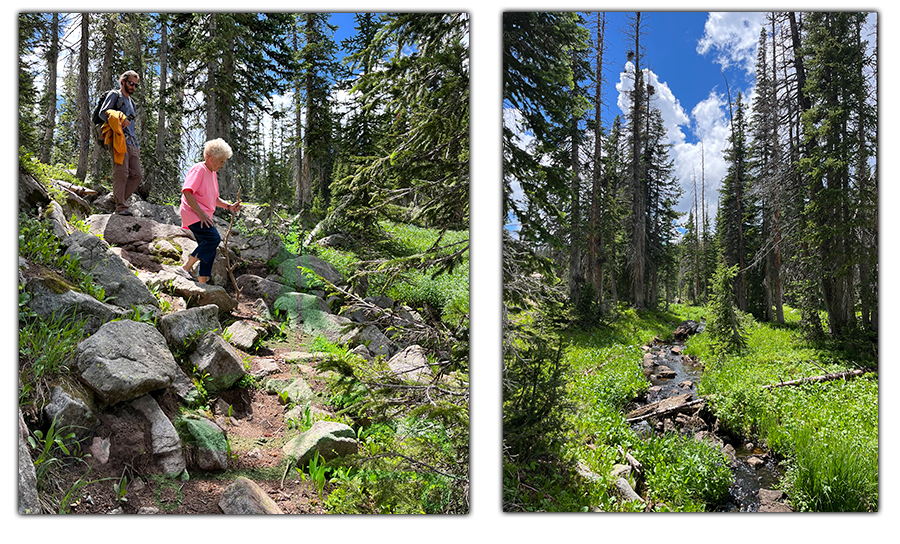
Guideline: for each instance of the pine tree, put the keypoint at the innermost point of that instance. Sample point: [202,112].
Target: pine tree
[835,57]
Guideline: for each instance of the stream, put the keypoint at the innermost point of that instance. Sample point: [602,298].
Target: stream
[671,375]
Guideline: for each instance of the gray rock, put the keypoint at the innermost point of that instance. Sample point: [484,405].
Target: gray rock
[257,248]
[70,412]
[411,364]
[209,442]
[266,367]
[665,372]
[109,271]
[376,341]
[32,193]
[329,438]
[29,502]
[295,390]
[215,359]
[336,329]
[625,493]
[47,300]
[165,442]
[182,329]
[363,351]
[125,231]
[184,388]
[195,294]
[243,335]
[290,271]
[261,288]
[300,308]
[245,497]
[57,219]
[160,213]
[124,360]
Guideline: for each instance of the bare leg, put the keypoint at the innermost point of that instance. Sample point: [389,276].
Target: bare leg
[202,279]
[189,265]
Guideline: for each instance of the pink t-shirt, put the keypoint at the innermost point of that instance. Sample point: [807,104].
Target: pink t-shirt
[205,185]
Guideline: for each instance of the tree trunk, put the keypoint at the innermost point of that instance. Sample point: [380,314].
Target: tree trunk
[639,223]
[576,274]
[595,245]
[50,115]
[161,132]
[84,109]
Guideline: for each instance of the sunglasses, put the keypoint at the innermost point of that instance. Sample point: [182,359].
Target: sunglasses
[131,83]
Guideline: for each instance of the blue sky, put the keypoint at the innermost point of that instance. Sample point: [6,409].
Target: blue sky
[687,56]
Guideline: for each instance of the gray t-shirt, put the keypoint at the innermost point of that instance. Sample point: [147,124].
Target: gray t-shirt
[127,108]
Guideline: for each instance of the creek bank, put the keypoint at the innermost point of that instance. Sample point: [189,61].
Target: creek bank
[671,405]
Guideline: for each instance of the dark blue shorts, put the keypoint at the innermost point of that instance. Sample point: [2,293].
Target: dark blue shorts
[207,243]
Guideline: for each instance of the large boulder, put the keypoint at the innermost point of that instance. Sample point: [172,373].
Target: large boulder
[32,193]
[255,287]
[120,284]
[217,361]
[52,295]
[29,502]
[329,438]
[295,391]
[300,308]
[125,231]
[164,440]
[68,410]
[182,329]
[292,270]
[376,341]
[257,248]
[195,294]
[411,364]
[208,442]
[124,360]
[242,335]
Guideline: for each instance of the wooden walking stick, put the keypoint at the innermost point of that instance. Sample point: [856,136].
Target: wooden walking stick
[228,264]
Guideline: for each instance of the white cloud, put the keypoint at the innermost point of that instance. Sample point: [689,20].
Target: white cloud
[732,37]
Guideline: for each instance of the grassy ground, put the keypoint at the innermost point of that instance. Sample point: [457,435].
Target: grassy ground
[827,432]
[603,375]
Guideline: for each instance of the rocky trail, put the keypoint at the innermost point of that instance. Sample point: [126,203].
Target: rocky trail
[191,398]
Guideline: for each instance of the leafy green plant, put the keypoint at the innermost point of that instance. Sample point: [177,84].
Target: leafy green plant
[120,487]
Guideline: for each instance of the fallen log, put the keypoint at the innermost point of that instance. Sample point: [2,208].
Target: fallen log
[659,405]
[664,410]
[822,378]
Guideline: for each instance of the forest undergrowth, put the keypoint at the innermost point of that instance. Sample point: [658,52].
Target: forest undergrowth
[825,434]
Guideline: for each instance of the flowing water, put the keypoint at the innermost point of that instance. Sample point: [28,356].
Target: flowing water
[752,468]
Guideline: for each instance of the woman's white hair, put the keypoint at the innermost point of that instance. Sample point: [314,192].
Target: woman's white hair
[218,149]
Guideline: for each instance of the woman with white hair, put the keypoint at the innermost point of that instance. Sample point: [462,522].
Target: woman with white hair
[199,199]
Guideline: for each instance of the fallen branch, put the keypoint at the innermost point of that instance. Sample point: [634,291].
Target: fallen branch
[822,378]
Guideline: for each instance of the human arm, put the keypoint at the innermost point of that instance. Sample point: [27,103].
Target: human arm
[236,207]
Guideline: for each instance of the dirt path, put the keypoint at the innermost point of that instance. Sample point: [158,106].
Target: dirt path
[256,432]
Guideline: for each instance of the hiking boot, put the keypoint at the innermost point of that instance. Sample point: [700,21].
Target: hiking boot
[124,212]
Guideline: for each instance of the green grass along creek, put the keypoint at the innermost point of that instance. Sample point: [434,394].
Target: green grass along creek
[825,435]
